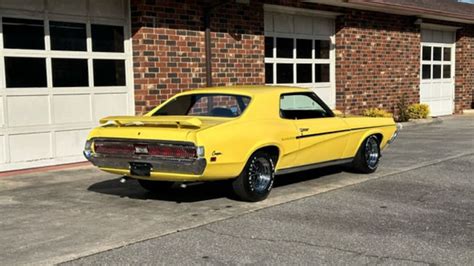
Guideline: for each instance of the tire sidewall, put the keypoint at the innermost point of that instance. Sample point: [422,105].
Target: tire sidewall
[250,194]
[362,157]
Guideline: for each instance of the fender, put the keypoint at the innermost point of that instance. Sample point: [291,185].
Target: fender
[259,146]
[368,133]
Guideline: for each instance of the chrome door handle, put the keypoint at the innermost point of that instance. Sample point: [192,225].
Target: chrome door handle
[304,129]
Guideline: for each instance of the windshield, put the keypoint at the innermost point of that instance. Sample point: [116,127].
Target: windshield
[216,105]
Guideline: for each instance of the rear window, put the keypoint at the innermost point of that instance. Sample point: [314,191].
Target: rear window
[215,105]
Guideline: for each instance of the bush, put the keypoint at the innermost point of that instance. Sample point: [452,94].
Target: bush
[418,111]
[403,115]
[376,112]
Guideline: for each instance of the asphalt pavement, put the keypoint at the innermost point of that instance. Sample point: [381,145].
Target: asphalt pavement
[418,208]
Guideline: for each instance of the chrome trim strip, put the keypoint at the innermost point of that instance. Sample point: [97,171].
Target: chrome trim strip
[338,131]
[313,166]
[146,141]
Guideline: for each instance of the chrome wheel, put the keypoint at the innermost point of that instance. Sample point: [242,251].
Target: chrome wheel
[260,175]
[372,152]
[256,179]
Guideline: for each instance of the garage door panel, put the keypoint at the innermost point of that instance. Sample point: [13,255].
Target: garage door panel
[28,110]
[106,8]
[283,23]
[2,114]
[322,26]
[268,21]
[76,7]
[437,36]
[70,143]
[72,108]
[426,35]
[304,25]
[110,104]
[30,147]
[2,149]
[425,90]
[32,5]
[324,94]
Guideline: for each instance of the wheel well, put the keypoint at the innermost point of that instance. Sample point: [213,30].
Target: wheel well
[273,151]
[379,137]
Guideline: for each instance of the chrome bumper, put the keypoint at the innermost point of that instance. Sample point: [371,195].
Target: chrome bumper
[395,134]
[193,167]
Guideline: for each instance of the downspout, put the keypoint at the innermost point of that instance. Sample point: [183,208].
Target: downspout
[207,34]
[207,41]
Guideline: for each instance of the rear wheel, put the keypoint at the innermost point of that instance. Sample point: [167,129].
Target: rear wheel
[368,156]
[256,180]
[155,186]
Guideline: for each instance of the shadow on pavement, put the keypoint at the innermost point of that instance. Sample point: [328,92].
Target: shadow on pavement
[195,192]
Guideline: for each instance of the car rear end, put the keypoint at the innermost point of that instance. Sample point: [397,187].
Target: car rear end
[147,159]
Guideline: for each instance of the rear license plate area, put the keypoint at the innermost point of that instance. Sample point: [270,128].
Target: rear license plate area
[140,169]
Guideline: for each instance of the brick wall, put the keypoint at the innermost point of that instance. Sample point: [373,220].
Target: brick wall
[377,54]
[377,60]
[169,48]
[464,91]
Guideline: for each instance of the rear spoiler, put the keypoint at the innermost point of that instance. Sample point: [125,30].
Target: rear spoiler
[152,120]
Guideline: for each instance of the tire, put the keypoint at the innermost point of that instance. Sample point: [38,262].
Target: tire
[368,156]
[256,180]
[155,186]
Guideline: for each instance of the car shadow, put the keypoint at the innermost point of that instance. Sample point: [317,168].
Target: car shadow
[196,192]
[192,193]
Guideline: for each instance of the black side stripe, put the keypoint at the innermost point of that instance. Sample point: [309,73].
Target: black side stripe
[338,131]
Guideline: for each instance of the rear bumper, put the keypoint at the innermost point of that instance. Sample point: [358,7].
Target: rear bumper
[395,134]
[158,165]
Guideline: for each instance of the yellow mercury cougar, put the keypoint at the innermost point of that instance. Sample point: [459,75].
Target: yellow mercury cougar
[245,133]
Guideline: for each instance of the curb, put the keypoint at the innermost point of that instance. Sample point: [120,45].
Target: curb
[422,122]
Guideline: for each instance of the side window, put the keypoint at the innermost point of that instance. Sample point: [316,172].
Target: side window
[302,106]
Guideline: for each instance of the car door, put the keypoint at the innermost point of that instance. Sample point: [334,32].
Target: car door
[322,136]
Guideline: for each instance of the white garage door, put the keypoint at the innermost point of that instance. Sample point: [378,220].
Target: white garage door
[63,65]
[299,51]
[437,71]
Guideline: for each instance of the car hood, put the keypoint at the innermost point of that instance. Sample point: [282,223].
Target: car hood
[172,128]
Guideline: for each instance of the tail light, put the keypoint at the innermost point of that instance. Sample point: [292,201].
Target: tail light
[172,151]
[158,150]
[113,148]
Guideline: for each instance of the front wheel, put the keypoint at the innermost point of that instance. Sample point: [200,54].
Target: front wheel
[155,186]
[256,180]
[368,156]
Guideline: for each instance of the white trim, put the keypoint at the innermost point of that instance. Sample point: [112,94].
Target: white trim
[431,26]
[299,11]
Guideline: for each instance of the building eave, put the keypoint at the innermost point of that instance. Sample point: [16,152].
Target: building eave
[394,8]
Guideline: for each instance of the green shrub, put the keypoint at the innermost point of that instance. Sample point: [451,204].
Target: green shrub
[376,112]
[418,111]
[403,115]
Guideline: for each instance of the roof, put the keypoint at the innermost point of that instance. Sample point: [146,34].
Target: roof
[449,10]
[249,89]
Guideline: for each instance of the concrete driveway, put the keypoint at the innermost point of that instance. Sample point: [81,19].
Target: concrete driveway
[418,208]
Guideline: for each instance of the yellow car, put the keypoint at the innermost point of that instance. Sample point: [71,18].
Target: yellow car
[245,133]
